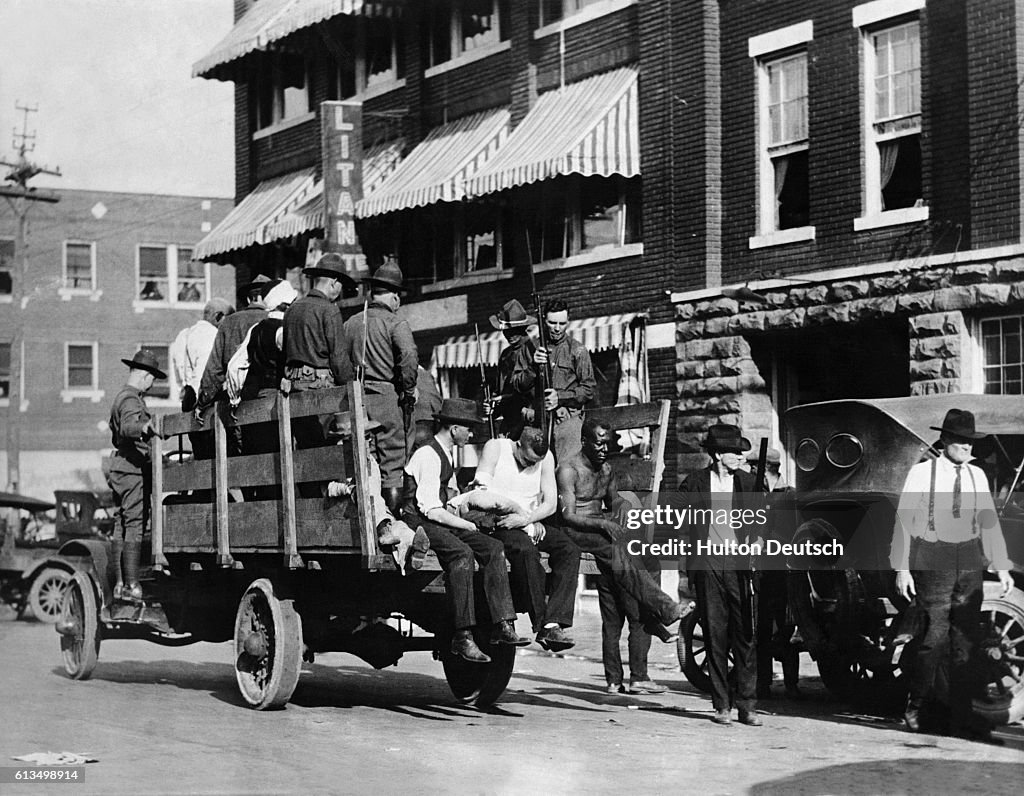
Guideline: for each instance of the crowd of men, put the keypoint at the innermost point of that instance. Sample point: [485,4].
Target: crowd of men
[542,485]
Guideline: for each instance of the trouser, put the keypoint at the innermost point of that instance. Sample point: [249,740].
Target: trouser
[614,562]
[308,432]
[529,582]
[774,631]
[456,549]
[567,436]
[948,578]
[392,447]
[727,611]
[617,609]
[131,493]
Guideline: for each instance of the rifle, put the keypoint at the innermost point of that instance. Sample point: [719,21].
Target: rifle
[544,376]
[483,379]
[366,333]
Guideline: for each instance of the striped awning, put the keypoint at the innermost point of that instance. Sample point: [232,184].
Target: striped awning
[379,161]
[596,334]
[276,208]
[587,128]
[437,169]
[268,21]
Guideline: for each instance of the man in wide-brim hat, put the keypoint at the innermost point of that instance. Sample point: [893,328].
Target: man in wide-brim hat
[722,580]
[131,427]
[517,375]
[947,533]
[457,542]
[381,347]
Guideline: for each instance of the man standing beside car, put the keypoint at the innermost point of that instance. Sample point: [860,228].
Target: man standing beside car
[947,533]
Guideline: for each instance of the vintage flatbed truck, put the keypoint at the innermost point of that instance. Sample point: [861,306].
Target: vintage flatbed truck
[286,577]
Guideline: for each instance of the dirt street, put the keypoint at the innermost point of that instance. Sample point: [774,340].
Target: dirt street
[170,721]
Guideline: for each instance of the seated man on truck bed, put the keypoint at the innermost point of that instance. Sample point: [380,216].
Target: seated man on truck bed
[430,484]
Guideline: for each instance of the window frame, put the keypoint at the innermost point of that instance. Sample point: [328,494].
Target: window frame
[272,71]
[573,14]
[871,20]
[979,347]
[173,279]
[459,55]
[93,392]
[66,291]
[8,296]
[5,400]
[768,50]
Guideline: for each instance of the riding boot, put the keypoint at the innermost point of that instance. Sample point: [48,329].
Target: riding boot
[132,553]
[114,566]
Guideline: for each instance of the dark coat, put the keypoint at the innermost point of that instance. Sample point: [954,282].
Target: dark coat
[696,487]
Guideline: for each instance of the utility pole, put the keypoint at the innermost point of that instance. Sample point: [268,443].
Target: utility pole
[20,197]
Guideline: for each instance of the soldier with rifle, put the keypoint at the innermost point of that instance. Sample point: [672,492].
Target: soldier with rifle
[382,347]
[517,376]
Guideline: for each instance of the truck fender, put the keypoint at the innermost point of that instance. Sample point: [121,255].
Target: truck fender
[90,556]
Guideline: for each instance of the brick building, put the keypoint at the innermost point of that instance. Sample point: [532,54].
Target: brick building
[107,273]
[795,200]
[869,158]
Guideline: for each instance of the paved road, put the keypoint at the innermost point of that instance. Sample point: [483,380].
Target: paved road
[170,721]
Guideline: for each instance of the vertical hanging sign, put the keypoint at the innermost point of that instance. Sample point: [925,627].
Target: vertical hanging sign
[341,134]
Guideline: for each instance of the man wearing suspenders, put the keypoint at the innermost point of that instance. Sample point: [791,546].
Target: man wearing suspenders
[946,534]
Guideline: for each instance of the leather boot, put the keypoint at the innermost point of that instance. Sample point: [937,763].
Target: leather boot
[463,646]
[912,715]
[114,566]
[130,562]
[393,499]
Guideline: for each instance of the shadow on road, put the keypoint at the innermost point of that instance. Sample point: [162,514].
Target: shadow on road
[902,776]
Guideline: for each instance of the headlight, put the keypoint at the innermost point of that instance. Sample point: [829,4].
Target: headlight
[844,451]
[808,454]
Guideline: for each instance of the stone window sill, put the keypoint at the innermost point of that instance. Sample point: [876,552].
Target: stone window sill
[781,237]
[67,293]
[472,278]
[599,255]
[891,218]
[468,58]
[67,396]
[589,13]
[295,121]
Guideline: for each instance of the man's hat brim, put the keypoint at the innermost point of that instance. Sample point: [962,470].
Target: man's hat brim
[460,420]
[131,363]
[501,325]
[962,433]
[330,274]
[372,280]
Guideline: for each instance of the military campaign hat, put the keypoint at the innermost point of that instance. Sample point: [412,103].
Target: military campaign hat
[512,316]
[144,360]
[330,265]
[258,283]
[388,275]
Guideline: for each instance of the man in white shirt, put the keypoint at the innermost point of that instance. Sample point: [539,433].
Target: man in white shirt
[947,533]
[191,350]
[430,485]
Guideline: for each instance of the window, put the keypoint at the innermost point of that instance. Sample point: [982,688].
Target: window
[161,389]
[556,10]
[282,92]
[79,266]
[609,212]
[892,123]
[1002,356]
[377,59]
[6,265]
[462,28]
[481,237]
[5,371]
[169,275]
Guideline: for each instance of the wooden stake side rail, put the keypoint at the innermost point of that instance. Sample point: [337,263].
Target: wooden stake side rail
[639,474]
[285,525]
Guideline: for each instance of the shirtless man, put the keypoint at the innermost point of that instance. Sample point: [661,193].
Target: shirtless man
[588,497]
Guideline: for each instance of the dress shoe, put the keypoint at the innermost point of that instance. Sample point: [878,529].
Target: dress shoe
[750,718]
[912,717]
[463,646]
[902,638]
[505,633]
[658,630]
[645,687]
[555,639]
[722,717]
[615,688]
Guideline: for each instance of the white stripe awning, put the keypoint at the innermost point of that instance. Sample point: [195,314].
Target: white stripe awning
[268,21]
[589,128]
[275,209]
[596,334]
[436,170]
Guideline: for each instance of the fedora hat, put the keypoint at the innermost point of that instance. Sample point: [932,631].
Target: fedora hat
[388,275]
[512,316]
[144,360]
[959,423]
[330,265]
[723,437]
[462,411]
[259,282]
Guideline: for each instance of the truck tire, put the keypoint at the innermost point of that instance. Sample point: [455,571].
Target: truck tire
[46,595]
[268,647]
[479,684]
[80,636]
[1003,653]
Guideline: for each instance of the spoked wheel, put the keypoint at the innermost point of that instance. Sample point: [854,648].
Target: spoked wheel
[46,596]
[268,647]
[480,684]
[79,627]
[1003,653]
[693,654]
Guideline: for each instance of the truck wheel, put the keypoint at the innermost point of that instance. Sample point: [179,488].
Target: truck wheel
[693,654]
[268,647]
[1003,653]
[80,628]
[46,595]
[480,684]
